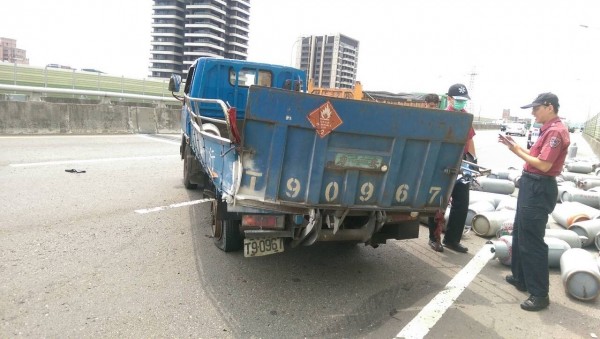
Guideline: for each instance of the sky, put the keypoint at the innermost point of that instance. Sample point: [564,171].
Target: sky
[516,49]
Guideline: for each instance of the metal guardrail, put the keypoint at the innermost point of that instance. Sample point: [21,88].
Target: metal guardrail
[25,75]
[36,92]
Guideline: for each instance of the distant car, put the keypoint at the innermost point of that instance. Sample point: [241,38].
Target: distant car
[533,134]
[502,127]
[91,70]
[515,129]
[571,129]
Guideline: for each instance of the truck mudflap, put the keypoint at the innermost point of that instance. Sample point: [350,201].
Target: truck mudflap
[310,151]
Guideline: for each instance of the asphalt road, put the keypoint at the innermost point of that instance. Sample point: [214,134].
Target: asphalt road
[117,252]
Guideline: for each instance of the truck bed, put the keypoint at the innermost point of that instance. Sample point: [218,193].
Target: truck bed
[304,150]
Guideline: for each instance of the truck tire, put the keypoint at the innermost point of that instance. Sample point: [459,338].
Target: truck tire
[226,232]
[188,158]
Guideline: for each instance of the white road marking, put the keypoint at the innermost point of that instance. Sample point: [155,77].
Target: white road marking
[56,136]
[181,204]
[433,311]
[172,142]
[82,161]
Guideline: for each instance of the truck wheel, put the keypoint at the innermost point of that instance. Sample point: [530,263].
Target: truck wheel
[226,232]
[188,157]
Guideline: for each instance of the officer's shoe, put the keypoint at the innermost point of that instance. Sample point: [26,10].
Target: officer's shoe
[534,303]
[456,246]
[519,285]
[436,246]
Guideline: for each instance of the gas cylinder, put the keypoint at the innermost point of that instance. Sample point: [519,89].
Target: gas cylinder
[587,229]
[494,198]
[502,249]
[478,207]
[486,224]
[564,186]
[572,211]
[505,229]
[586,184]
[508,203]
[570,237]
[507,174]
[514,176]
[572,151]
[597,242]
[580,167]
[496,185]
[574,177]
[589,198]
[580,274]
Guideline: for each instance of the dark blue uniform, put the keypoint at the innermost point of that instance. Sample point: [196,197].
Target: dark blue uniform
[537,198]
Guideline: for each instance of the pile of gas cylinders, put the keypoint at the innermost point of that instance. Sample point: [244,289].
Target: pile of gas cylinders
[492,210]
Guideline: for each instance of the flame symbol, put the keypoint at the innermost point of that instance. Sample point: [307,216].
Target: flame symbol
[326,113]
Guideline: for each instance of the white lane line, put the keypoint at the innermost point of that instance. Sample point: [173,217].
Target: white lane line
[49,163]
[181,204]
[433,311]
[69,136]
[172,142]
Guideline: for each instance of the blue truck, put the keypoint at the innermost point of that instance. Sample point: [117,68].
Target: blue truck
[288,168]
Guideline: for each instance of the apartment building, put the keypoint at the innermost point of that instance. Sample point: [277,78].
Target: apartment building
[10,53]
[184,30]
[330,61]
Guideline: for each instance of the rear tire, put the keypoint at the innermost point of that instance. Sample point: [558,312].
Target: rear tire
[226,232]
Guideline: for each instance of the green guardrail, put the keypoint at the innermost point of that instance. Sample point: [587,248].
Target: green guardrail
[24,75]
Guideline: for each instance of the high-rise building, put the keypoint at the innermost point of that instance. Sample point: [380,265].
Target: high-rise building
[184,30]
[10,53]
[330,61]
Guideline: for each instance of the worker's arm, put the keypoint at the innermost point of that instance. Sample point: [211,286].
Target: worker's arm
[471,148]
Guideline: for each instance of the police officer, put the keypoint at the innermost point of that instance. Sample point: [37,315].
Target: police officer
[536,199]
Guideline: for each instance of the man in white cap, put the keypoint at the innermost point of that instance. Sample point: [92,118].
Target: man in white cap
[458,95]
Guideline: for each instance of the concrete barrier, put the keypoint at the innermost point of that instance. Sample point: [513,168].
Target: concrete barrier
[38,117]
[49,115]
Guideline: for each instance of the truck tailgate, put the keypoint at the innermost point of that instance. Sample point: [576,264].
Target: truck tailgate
[313,151]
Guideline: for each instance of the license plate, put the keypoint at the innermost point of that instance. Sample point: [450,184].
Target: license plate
[262,246]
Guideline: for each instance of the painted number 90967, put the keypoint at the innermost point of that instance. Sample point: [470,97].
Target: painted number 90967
[366,192]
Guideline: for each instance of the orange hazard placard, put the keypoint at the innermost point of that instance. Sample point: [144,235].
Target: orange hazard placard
[324,119]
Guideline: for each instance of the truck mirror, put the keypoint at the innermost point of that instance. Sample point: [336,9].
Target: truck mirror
[175,83]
